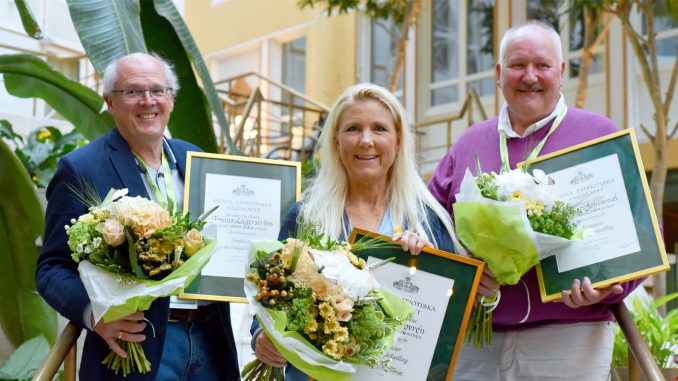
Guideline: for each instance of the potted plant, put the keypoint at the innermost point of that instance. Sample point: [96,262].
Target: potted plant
[659,333]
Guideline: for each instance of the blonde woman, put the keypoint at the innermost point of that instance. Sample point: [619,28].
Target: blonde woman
[367,179]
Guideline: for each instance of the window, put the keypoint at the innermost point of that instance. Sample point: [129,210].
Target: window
[568,21]
[666,28]
[383,53]
[294,76]
[461,49]
[294,67]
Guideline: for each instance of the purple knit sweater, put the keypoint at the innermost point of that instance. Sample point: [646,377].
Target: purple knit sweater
[578,126]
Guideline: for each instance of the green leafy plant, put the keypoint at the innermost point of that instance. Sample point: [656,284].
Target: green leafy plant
[23,314]
[40,150]
[25,361]
[659,333]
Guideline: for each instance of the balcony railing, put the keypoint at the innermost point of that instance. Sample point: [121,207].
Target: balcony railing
[269,119]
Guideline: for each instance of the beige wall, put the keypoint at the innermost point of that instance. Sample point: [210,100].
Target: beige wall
[331,57]
[232,22]
[330,41]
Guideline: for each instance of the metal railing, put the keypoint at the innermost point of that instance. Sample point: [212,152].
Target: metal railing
[425,127]
[63,352]
[284,126]
[641,361]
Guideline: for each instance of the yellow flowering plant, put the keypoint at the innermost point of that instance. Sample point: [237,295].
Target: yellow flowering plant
[132,251]
[509,220]
[321,307]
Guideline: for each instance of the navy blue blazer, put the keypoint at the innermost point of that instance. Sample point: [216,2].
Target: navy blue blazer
[106,162]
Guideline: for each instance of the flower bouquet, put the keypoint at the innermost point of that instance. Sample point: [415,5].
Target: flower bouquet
[321,307]
[132,251]
[509,220]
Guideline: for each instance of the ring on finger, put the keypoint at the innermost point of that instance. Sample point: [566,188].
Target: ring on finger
[120,335]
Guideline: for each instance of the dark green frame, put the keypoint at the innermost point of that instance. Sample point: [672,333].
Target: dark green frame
[652,255]
[199,164]
[466,273]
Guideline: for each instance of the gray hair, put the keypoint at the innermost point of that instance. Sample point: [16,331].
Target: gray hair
[111,74]
[531,23]
[409,199]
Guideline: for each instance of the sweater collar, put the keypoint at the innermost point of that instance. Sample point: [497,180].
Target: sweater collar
[505,122]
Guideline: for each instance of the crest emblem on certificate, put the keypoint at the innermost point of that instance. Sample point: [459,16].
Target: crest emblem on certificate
[406,285]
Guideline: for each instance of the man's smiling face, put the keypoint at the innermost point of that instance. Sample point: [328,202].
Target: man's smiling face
[147,118]
[530,75]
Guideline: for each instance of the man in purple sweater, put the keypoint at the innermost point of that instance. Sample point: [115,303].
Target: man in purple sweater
[568,340]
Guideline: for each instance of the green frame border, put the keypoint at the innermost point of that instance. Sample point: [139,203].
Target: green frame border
[652,255]
[466,273]
[230,289]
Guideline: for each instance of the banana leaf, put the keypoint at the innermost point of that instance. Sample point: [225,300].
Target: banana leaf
[166,9]
[108,29]
[23,313]
[27,76]
[119,23]
[30,25]
[191,119]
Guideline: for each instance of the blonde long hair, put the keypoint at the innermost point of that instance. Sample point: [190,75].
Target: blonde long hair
[408,197]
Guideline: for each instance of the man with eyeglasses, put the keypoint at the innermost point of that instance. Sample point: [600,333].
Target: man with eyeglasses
[189,344]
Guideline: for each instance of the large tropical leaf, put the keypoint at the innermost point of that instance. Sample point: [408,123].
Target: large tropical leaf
[23,313]
[30,25]
[27,76]
[108,29]
[166,9]
[191,119]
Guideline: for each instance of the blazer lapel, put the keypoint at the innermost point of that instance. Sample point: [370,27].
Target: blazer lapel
[126,167]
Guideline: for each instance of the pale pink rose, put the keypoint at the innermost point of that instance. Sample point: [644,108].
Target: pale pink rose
[344,310]
[113,232]
[192,242]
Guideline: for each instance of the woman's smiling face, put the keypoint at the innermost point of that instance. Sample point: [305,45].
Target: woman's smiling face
[367,140]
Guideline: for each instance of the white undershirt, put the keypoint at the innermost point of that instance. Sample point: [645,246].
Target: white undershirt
[504,123]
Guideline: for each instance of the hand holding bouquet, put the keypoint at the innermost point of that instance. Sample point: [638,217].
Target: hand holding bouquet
[321,307]
[509,220]
[132,251]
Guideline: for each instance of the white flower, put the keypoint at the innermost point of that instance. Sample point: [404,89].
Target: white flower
[96,242]
[530,188]
[540,177]
[354,282]
[119,194]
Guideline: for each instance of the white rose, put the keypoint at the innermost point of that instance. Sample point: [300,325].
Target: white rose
[192,242]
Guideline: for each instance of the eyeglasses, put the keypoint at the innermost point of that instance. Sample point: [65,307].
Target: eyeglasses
[158,94]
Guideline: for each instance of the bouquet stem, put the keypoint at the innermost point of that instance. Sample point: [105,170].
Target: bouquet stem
[134,362]
[257,370]
[479,331]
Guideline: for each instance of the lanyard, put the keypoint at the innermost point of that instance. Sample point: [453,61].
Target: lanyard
[503,149]
[167,175]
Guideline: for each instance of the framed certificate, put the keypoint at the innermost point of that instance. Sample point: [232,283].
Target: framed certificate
[606,180]
[253,196]
[441,287]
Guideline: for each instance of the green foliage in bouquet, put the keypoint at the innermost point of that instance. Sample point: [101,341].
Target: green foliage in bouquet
[557,219]
[150,245]
[498,234]
[343,318]
[139,240]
